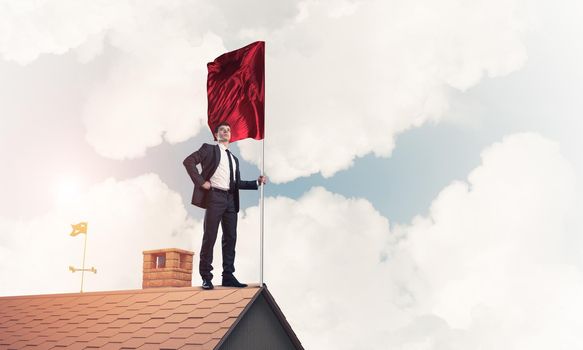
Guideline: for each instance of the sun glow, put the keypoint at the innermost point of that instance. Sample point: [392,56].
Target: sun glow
[68,190]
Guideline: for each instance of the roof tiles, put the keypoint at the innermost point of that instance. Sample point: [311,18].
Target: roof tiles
[162,318]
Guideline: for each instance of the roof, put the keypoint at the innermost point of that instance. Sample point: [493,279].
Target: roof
[156,318]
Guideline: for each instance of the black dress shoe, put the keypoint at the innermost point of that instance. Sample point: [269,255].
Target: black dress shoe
[207,284]
[231,281]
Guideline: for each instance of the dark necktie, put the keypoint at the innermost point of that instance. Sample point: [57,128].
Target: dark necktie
[231,175]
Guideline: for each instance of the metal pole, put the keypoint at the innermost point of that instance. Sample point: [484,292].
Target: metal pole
[83,267]
[261,201]
[262,217]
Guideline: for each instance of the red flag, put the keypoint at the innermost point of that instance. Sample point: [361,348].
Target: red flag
[236,91]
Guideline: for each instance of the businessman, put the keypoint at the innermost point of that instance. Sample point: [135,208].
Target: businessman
[216,189]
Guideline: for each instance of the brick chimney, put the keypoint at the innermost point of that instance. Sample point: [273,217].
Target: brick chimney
[167,268]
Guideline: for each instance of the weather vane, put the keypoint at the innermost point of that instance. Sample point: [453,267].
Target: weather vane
[77,229]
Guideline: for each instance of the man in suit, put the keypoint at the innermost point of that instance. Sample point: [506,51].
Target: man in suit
[216,189]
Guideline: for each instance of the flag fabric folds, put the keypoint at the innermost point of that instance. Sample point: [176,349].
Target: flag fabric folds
[236,91]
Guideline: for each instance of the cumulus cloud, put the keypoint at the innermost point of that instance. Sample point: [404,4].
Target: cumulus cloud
[486,268]
[154,89]
[343,74]
[125,218]
[156,93]
[154,86]
[347,77]
[323,263]
[490,260]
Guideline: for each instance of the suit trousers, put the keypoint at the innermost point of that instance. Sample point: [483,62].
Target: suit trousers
[220,209]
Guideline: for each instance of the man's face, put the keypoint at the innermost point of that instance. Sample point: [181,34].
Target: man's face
[224,134]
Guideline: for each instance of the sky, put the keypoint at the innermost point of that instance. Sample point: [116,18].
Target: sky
[424,159]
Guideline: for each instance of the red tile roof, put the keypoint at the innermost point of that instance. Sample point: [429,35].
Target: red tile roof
[157,318]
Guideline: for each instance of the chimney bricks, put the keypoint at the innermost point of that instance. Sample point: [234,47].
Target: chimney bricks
[167,268]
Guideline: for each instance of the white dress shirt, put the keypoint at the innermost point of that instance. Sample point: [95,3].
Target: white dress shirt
[220,178]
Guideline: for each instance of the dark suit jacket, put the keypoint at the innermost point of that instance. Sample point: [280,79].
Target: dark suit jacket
[209,156]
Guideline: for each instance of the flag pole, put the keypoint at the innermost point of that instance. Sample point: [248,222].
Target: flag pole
[262,207]
[261,201]
[83,265]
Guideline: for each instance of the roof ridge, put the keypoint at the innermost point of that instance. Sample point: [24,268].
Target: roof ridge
[121,291]
[165,317]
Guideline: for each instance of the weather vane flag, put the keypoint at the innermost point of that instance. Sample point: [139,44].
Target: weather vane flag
[236,95]
[78,228]
[236,91]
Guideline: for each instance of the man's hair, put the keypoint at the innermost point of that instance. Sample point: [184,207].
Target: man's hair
[221,124]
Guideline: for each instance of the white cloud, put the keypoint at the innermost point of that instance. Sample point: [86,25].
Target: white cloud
[322,262]
[341,74]
[151,96]
[154,87]
[30,28]
[342,86]
[487,268]
[125,218]
[491,257]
